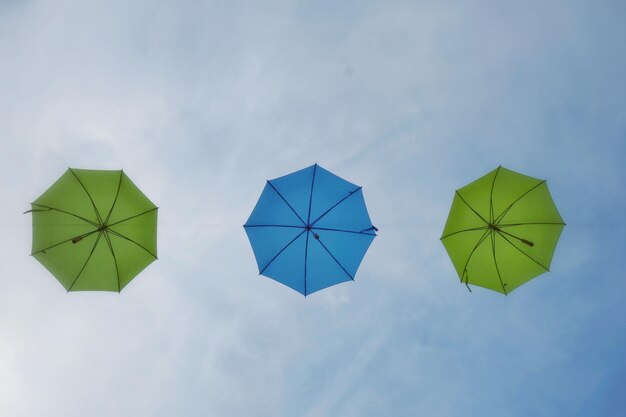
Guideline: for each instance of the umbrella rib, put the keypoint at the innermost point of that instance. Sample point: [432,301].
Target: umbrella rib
[344,231]
[117,271]
[532,224]
[495,262]
[525,254]
[87,261]
[132,217]
[88,195]
[306,255]
[67,212]
[473,229]
[335,259]
[130,240]
[470,207]
[308,219]
[272,225]
[335,205]
[80,237]
[491,216]
[480,241]
[281,251]
[506,210]
[286,202]
[119,185]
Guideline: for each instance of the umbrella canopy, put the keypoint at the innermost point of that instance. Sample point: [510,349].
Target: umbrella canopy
[502,230]
[310,230]
[94,230]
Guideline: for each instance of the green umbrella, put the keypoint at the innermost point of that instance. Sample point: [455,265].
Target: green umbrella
[94,230]
[502,230]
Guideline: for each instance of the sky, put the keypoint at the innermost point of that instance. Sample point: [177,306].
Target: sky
[200,102]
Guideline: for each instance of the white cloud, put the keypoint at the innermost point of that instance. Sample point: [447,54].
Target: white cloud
[200,102]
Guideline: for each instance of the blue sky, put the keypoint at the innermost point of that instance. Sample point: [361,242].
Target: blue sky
[201,102]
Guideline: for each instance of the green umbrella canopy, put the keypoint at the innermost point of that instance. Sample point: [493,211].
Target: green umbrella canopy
[502,230]
[94,230]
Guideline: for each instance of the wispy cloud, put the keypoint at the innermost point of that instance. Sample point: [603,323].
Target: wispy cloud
[200,102]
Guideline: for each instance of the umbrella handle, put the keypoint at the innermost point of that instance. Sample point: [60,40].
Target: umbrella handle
[524,241]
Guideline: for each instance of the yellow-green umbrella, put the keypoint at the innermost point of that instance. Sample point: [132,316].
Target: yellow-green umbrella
[502,230]
[94,230]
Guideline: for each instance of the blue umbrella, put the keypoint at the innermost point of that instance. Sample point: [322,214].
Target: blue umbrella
[310,230]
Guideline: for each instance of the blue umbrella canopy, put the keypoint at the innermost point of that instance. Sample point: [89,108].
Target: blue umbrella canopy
[310,230]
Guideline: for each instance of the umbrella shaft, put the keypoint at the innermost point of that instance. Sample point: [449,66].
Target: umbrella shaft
[497,229]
